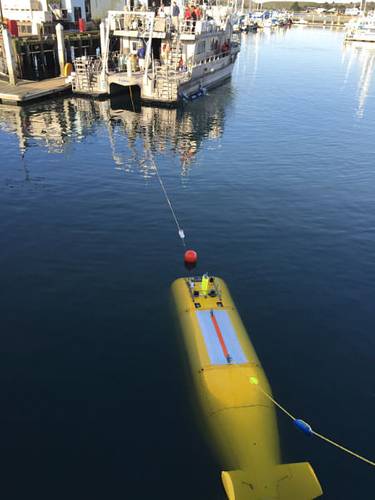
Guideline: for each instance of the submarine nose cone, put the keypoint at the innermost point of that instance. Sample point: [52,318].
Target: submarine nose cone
[190,258]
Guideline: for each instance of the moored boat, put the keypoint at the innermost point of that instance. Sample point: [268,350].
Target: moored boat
[161,58]
[361,30]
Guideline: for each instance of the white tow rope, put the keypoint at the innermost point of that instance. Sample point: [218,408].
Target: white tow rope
[181,233]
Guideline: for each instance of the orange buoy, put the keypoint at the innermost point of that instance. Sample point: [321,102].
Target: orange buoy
[190,257]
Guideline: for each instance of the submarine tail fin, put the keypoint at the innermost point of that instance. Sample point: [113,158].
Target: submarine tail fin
[297,481]
[237,486]
[293,481]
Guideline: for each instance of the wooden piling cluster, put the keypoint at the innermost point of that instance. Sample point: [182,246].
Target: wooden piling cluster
[33,67]
[36,58]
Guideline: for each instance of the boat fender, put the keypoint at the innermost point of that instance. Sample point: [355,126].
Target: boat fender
[68,68]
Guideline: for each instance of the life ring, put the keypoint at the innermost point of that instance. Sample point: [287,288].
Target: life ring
[68,68]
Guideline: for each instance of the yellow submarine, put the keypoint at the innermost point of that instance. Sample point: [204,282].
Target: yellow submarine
[240,418]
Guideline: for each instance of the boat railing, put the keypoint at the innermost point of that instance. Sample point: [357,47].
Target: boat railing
[212,58]
[140,22]
[91,63]
[173,72]
[134,21]
[199,27]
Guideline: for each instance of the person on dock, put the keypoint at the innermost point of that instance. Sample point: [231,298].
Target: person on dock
[225,47]
[198,12]
[161,11]
[175,16]
[193,14]
[181,65]
[141,57]
[187,15]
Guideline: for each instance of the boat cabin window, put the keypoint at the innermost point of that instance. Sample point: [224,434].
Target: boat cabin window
[201,46]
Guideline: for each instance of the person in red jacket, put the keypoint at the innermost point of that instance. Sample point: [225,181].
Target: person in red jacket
[198,12]
[187,15]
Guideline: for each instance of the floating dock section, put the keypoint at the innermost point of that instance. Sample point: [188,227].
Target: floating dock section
[27,91]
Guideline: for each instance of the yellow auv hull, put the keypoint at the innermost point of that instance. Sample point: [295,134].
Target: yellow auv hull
[240,419]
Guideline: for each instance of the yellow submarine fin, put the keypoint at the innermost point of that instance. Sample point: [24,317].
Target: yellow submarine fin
[237,486]
[292,481]
[297,481]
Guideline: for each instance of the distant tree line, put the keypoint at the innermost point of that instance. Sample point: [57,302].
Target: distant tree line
[299,6]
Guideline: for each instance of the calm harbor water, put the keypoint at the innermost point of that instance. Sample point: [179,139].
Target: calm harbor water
[272,176]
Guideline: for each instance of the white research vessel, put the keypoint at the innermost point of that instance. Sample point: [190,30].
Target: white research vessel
[160,58]
[361,30]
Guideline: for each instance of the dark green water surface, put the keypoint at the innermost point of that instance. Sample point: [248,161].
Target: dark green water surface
[272,176]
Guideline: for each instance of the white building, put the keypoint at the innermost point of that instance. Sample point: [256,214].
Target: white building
[72,10]
[352,11]
[100,8]
[28,13]
[31,15]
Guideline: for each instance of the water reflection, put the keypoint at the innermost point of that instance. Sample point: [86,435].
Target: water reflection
[53,126]
[364,54]
[179,130]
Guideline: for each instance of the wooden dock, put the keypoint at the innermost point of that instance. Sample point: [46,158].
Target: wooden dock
[27,91]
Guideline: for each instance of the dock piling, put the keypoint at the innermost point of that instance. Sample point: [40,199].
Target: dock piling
[61,47]
[10,57]
[102,37]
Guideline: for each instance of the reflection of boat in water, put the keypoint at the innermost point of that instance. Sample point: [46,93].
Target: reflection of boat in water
[364,55]
[240,420]
[54,125]
[181,130]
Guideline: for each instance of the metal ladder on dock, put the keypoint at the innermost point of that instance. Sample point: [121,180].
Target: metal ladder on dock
[87,74]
